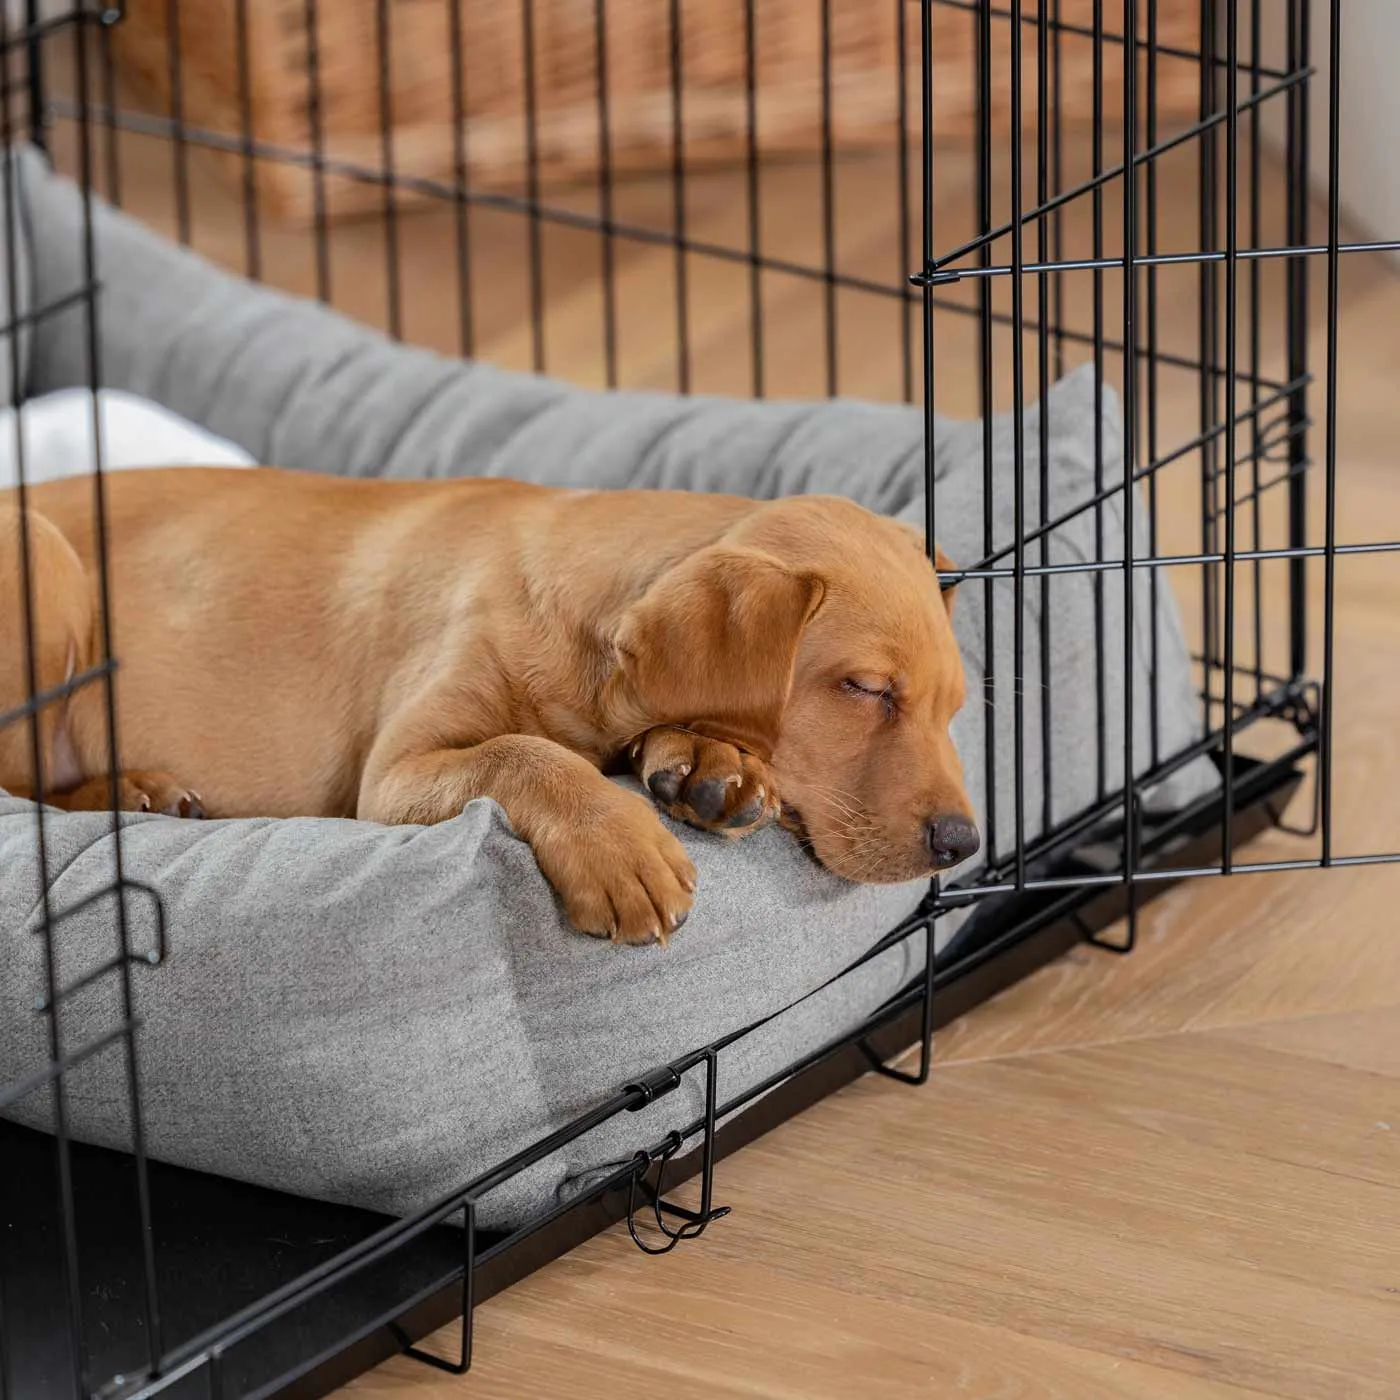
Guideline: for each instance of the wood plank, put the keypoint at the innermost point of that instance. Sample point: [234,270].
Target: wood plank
[724,1329]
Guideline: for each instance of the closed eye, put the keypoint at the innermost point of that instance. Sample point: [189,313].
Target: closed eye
[867,689]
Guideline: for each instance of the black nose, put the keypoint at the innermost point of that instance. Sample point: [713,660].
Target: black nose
[950,840]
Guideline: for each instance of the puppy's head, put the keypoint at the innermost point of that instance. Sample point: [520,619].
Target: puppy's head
[816,635]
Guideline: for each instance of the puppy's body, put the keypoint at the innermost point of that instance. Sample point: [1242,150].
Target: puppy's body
[293,644]
[270,624]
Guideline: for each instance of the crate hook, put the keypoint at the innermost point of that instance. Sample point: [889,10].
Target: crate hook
[693,1223]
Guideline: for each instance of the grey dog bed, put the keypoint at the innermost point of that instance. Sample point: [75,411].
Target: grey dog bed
[376,1015]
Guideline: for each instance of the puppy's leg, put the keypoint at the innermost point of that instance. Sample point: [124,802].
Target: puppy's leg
[618,871]
[45,637]
[705,782]
[61,630]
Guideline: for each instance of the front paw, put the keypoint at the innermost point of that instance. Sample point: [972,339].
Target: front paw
[705,782]
[136,792]
[158,792]
[620,873]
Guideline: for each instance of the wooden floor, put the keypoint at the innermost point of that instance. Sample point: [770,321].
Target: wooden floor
[1171,1175]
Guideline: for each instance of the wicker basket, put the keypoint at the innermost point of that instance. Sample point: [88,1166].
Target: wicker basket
[275,103]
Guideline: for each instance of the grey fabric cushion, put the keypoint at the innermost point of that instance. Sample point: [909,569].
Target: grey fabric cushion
[373,1015]
[377,1015]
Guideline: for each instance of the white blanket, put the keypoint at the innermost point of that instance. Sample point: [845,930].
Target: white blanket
[57,434]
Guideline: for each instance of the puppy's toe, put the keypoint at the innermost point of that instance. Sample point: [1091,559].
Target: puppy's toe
[750,813]
[187,805]
[706,799]
[665,785]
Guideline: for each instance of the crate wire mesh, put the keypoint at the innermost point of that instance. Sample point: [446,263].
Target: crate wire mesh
[1056,266]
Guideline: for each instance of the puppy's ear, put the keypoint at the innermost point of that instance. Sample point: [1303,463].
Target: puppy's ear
[941,563]
[713,642]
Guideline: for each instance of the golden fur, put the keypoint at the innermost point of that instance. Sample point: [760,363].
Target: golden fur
[293,644]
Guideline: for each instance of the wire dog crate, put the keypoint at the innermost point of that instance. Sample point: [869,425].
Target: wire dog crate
[123,1277]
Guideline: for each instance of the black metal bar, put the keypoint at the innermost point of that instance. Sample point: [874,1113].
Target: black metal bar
[461,174]
[986,408]
[1256,237]
[678,219]
[4,1352]
[1208,294]
[252,246]
[1298,155]
[113,173]
[1230,440]
[320,226]
[926,291]
[1178,561]
[607,246]
[38,699]
[178,155]
[1197,258]
[534,229]
[1131,801]
[1096,200]
[1207,259]
[1043,284]
[1152,416]
[52,1074]
[752,188]
[390,210]
[828,210]
[1334,312]
[34,79]
[1057,224]
[906,252]
[1018,443]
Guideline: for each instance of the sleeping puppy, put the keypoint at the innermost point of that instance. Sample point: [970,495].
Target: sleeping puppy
[299,645]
